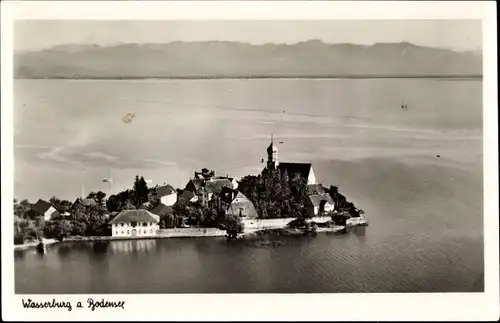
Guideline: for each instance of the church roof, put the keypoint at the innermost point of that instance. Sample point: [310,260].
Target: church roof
[293,168]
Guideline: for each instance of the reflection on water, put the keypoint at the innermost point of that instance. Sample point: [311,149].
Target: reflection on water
[19,254]
[358,231]
[132,246]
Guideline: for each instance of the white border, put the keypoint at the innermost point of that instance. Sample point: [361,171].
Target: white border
[321,307]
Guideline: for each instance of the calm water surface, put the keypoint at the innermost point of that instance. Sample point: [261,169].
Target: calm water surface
[425,212]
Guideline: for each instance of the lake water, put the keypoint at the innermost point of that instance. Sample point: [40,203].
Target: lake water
[425,212]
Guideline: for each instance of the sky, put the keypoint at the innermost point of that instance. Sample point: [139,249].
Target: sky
[452,34]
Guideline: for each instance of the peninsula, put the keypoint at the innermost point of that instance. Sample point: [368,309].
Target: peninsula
[285,196]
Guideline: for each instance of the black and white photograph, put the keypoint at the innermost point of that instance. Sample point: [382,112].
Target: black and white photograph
[247,156]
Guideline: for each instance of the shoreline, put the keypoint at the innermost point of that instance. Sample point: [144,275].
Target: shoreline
[254,227]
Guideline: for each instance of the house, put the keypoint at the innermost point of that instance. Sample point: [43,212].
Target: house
[44,209]
[236,203]
[233,182]
[320,203]
[215,186]
[135,223]
[206,185]
[82,202]
[167,194]
[194,185]
[304,169]
[188,196]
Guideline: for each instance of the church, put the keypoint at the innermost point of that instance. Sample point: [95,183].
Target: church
[304,169]
[319,201]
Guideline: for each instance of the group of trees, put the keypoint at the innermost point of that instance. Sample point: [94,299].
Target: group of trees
[84,219]
[133,198]
[342,204]
[276,195]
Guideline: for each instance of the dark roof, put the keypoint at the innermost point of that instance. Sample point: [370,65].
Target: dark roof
[41,206]
[316,199]
[186,195]
[227,194]
[216,186]
[162,209]
[140,215]
[293,168]
[195,184]
[85,202]
[165,190]
[315,189]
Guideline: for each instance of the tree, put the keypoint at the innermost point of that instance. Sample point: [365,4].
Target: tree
[140,191]
[232,224]
[153,198]
[96,222]
[100,196]
[60,205]
[113,204]
[21,209]
[79,228]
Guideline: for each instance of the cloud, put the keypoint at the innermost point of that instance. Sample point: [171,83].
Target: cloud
[100,155]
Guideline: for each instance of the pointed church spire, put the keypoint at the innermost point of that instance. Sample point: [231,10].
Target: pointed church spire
[272,154]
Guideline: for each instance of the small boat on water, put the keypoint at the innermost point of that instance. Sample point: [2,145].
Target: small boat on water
[41,248]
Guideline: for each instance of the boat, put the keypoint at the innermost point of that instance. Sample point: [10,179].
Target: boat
[41,248]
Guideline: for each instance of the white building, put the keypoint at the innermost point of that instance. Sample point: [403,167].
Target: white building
[135,223]
[44,209]
[320,204]
[167,194]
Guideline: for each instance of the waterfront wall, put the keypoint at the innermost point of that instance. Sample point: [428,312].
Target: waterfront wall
[190,232]
[356,221]
[264,224]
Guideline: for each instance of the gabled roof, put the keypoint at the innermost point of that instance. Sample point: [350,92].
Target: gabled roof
[227,194]
[140,215]
[186,195]
[162,209]
[85,202]
[293,168]
[316,199]
[41,206]
[315,189]
[196,183]
[165,190]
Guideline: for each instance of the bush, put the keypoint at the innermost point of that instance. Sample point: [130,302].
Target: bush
[58,229]
[232,223]
[79,228]
[297,223]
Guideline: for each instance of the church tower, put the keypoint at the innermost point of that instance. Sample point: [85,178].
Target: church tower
[272,155]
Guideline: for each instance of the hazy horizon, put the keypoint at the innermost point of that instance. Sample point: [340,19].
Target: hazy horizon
[458,35]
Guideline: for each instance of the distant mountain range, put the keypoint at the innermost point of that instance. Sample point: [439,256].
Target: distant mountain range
[208,59]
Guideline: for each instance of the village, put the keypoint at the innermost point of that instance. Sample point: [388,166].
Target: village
[285,196]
